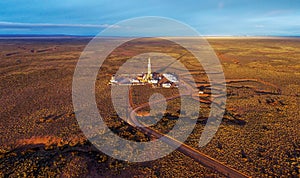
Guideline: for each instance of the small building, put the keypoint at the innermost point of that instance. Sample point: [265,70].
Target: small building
[166,85]
[153,81]
[171,77]
[134,81]
[113,80]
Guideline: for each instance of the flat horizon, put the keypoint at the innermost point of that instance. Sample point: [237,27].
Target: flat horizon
[206,36]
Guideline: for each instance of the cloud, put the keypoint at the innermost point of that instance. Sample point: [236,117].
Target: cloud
[259,26]
[16,25]
[220,5]
[279,12]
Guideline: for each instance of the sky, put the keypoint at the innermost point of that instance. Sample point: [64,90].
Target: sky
[211,18]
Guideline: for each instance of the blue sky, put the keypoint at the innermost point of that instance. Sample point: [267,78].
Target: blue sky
[215,17]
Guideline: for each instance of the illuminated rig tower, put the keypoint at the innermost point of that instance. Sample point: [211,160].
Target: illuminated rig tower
[149,73]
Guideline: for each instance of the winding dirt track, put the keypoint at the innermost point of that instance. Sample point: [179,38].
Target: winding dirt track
[185,149]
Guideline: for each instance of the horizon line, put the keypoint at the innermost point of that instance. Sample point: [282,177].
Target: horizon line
[73,35]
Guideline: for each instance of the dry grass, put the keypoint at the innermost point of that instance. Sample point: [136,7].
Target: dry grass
[259,134]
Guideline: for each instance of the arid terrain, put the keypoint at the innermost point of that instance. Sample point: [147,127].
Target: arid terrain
[259,134]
